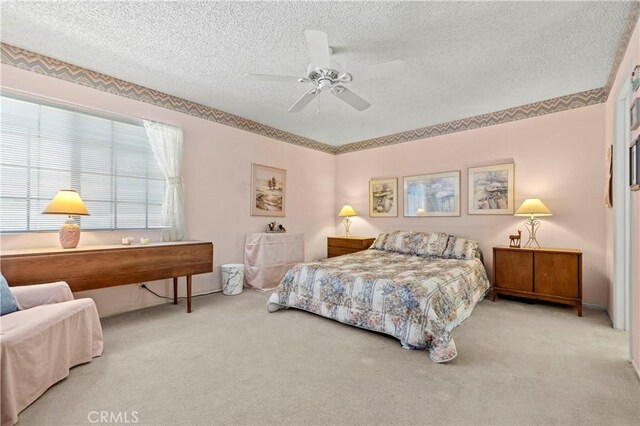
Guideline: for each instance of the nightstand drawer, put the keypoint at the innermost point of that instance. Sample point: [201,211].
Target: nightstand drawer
[356,243]
[337,246]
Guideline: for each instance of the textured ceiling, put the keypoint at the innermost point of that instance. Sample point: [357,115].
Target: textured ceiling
[464,58]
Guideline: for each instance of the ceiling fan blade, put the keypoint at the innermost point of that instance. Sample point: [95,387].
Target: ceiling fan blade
[318,48]
[351,98]
[380,70]
[304,100]
[270,77]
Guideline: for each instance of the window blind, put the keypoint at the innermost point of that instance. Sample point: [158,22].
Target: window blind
[44,149]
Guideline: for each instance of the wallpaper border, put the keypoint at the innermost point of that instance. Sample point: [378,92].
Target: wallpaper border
[563,103]
[51,67]
[35,62]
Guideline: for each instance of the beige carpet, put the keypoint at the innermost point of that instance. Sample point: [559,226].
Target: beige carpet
[232,362]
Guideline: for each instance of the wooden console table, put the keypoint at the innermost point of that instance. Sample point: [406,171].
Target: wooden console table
[94,267]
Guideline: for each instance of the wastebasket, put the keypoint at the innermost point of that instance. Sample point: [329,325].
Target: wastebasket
[232,278]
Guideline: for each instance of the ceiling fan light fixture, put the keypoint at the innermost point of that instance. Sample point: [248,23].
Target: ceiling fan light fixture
[345,77]
[326,75]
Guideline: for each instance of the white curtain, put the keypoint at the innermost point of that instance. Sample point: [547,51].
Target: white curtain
[166,144]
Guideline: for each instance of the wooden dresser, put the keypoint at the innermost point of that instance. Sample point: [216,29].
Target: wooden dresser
[553,275]
[337,246]
[94,267]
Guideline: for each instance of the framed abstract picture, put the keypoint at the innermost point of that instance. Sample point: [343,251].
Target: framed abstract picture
[436,194]
[268,190]
[634,159]
[383,197]
[491,189]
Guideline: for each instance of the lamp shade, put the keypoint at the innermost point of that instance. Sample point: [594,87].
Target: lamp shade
[533,207]
[66,201]
[347,210]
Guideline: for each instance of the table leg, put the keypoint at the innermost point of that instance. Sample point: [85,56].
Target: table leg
[188,293]
[175,290]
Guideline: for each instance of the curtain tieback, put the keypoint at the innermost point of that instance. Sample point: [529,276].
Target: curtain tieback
[174,180]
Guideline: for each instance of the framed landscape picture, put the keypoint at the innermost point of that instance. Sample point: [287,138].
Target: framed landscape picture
[268,190]
[491,189]
[383,197]
[436,194]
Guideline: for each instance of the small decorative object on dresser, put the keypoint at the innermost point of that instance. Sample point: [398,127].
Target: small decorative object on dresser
[275,228]
[554,275]
[337,246]
[514,240]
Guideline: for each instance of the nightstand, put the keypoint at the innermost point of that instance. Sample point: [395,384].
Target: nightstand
[554,275]
[337,246]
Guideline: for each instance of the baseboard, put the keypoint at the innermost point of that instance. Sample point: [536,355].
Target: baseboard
[596,307]
[635,367]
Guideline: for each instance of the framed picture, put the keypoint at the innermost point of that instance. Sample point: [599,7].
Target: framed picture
[436,194]
[491,189]
[383,197]
[635,110]
[635,77]
[268,190]
[634,159]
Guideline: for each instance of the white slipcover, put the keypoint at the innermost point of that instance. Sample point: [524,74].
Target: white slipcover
[40,343]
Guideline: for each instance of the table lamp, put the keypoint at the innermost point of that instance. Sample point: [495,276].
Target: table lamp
[532,207]
[68,201]
[346,212]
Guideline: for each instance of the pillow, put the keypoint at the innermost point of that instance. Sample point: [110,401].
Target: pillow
[418,243]
[393,241]
[378,244]
[430,244]
[7,301]
[461,248]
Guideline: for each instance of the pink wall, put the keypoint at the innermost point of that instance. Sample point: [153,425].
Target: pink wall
[630,60]
[558,158]
[217,177]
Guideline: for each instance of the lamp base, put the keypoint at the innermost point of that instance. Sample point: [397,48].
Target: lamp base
[347,225]
[69,234]
[532,226]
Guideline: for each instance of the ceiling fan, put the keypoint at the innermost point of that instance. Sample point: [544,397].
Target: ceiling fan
[325,75]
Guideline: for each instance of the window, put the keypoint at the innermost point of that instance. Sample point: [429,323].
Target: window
[44,149]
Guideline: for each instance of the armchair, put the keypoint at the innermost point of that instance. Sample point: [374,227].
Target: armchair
[39,343]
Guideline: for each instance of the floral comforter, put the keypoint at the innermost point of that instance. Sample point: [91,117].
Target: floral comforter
[416,299]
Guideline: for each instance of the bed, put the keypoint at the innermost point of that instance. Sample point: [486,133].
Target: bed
[415,286]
